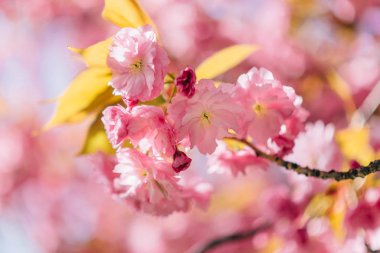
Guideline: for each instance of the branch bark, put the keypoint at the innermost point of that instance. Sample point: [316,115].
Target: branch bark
[362,171]
[233,237]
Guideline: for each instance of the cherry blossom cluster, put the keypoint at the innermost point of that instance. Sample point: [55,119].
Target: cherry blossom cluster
[152,141]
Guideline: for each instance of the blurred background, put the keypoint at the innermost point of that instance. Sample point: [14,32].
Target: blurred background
[51,200]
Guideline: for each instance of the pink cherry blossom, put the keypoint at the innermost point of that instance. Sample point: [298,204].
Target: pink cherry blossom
[225,160]
[145,126]
[149,130]
[150,185]
[138,63]
[115,120]
[266,104]
[205,117]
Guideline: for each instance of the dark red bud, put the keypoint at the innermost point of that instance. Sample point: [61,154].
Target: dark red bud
[185,82]
[354,164]
[180,161]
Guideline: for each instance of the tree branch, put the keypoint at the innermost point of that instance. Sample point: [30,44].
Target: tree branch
[362,171]
[233,237]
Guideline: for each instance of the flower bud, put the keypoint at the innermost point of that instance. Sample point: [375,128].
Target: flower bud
[180,161]
[185,82]
[354,164]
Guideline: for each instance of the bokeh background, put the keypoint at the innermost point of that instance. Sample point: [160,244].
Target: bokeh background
[51,200]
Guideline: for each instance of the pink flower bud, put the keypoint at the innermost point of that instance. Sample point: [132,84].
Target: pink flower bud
[180,161]
[185,82]
[284,144]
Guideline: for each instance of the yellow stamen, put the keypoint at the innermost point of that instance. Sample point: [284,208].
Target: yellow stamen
[206,118]
[137,65]
[259,109]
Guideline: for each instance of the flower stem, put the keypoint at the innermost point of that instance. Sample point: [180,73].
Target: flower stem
[362,171]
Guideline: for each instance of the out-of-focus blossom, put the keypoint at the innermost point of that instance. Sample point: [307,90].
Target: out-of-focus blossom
[374,125]
[150,184]
[317,138]
[365,214]
[138,63]
[205,117]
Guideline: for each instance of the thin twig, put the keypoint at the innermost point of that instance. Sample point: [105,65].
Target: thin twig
[233,237]
[361,171]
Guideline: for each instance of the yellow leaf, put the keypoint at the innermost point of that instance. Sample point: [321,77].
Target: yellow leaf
[224,60]
[96,139]
[336,218]
[340,87]
[318,206]
[234,144]
[125,13]
[88,90]
[354,144]
[95,55]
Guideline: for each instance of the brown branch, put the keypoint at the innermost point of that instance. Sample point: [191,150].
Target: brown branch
[233,237]
[362,171]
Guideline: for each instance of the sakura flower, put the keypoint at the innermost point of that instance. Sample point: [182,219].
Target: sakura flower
[150,184]
[138,63]
[225,160]
[266,102]
[149,130]
[145,126]
[115,120]
[205,117]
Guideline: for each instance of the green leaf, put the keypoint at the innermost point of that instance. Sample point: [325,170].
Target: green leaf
[86,93]
[125,13]
[156,102]
[223,61]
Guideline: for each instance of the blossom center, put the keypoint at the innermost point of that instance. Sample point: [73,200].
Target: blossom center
[206,118]
[137,65]
[144,173]
[259,109]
